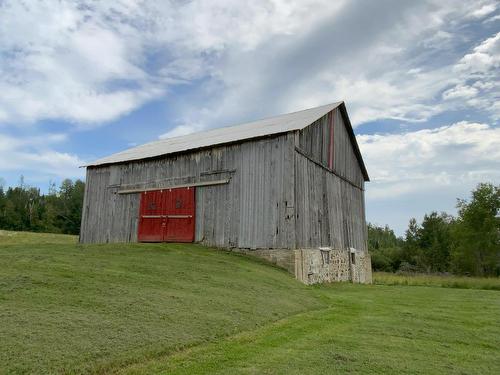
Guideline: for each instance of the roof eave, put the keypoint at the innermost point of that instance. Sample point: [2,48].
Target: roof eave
[187,151]
[354,142]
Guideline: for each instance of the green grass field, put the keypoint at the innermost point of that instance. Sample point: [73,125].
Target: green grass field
[462,282]
[185,309]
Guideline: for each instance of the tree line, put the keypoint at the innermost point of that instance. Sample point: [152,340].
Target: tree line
[467,244]
[25,208]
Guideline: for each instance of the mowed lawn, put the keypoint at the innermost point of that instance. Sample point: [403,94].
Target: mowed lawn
[185,309]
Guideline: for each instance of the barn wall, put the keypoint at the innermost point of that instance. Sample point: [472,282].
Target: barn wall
[314,140]
[281,195]
[330,208]
[330,224]
[330,212]
[254,210]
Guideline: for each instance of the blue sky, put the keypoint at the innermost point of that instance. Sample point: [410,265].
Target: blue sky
[82,79]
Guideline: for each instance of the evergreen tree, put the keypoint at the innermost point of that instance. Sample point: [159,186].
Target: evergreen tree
[411,254]
[434,242]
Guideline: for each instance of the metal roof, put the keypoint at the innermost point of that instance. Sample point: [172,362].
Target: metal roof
[256,129]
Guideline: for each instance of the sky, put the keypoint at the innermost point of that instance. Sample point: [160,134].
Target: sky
[80,80]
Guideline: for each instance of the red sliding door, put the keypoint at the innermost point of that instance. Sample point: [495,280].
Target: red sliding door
[167,215]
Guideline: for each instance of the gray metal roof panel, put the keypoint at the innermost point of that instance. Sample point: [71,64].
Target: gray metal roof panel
[269,126]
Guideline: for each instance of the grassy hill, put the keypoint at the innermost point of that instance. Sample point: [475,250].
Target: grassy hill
[186,309]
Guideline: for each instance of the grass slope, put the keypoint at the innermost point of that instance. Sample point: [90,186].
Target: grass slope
[185,309]
[365,330]
[78,309]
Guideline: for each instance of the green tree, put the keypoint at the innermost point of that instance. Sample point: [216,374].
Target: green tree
[15,212]
[411,253]
[434,242]
[3,202]
[25,208]
[385,248]
[476,233]
[22,207]
[66,207]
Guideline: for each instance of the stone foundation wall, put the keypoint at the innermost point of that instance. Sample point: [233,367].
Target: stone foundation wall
[362,269]
[312,266]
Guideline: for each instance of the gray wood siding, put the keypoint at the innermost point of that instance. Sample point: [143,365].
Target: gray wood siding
[254,210]
[329,210]
[314,140]
[276,198]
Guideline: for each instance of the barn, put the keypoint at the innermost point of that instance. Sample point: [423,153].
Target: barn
[289,189]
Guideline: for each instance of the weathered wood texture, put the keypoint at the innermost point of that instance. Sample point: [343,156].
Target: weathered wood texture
[276,198]
[314,140]
[254,210]
[329,210]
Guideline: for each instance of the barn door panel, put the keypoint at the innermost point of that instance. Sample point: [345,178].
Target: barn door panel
[180,214]
[167,215]
[151,220]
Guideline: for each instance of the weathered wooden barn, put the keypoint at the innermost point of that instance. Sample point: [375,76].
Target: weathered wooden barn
[288,188]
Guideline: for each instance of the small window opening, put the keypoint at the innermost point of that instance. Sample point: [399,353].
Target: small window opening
[353,258]
[325,256]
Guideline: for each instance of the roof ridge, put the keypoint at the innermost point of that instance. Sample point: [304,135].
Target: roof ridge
[243,131]
[246,123]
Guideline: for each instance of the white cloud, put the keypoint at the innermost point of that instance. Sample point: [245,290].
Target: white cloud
[485,57]
[35,155]
[382,86]
[91,62]
[392,96]
[492,19]
[391,69]
[477,78]
[417,172]
[484,10]
[463,153]
[460,91]
[61,61]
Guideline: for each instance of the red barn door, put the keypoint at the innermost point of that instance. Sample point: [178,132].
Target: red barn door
[179,207]
[167,215]
[151,217]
